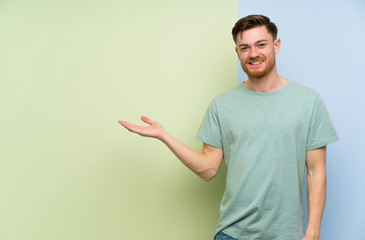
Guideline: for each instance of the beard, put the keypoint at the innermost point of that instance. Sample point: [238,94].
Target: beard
[256,73]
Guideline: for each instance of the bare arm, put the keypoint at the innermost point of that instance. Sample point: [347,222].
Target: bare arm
[205,164]
[316,191]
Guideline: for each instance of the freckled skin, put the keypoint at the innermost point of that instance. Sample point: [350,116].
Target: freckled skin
[256,45]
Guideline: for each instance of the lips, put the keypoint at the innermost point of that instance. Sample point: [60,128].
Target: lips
[256,63]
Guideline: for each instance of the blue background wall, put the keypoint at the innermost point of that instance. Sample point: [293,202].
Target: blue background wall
[323,48]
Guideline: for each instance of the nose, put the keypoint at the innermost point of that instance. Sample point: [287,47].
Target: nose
[254,53]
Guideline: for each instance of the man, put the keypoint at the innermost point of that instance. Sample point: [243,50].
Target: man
[267,130]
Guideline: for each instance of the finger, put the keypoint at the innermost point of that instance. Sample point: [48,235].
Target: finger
[124,124]
[131,127]
[146,120]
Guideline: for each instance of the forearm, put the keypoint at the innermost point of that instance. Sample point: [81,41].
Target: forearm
[205,164]
[199,163]
[316,195]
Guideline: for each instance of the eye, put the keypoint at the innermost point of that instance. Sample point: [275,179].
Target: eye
[262,45]
[243,49]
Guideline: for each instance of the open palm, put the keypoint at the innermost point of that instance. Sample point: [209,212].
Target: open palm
[153,130]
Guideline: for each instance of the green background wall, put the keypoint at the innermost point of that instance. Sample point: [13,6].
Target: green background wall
[69,71]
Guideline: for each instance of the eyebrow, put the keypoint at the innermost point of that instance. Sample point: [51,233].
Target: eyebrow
[259,41]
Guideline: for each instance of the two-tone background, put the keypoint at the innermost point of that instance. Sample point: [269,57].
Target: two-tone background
[69,70]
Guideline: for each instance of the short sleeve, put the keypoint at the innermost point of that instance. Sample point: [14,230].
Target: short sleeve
[210,132]
[321,130]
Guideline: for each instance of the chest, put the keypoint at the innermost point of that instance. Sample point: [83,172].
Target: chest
[260,120]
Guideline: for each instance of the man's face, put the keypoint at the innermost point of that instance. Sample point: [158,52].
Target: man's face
[256,50]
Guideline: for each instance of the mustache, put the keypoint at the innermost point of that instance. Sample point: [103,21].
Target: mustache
[250,60]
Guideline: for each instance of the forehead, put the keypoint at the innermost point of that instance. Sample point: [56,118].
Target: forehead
[253,35]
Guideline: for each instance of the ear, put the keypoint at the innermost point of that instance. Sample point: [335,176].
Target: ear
[238,55]
[277,44]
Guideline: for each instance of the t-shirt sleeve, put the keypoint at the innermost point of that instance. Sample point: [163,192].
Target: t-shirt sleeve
[321,130]
[210,132]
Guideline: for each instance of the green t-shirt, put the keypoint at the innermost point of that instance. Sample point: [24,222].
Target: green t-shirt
[264,137]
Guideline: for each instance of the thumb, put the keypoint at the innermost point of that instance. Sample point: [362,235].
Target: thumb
[146,120]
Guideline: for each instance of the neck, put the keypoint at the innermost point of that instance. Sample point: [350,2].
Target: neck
[268,83]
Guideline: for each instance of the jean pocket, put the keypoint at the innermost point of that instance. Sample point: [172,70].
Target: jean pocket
[223,236]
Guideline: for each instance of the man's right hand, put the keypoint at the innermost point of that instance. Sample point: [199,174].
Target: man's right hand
[205,164]
[154,129]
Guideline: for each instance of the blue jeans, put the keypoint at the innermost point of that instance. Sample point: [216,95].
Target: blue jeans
[223,236]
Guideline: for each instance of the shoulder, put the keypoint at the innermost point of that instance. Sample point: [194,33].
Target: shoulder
[229,95]
[302,91]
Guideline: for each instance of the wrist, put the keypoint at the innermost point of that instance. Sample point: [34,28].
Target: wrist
[312,235]
[163,136]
